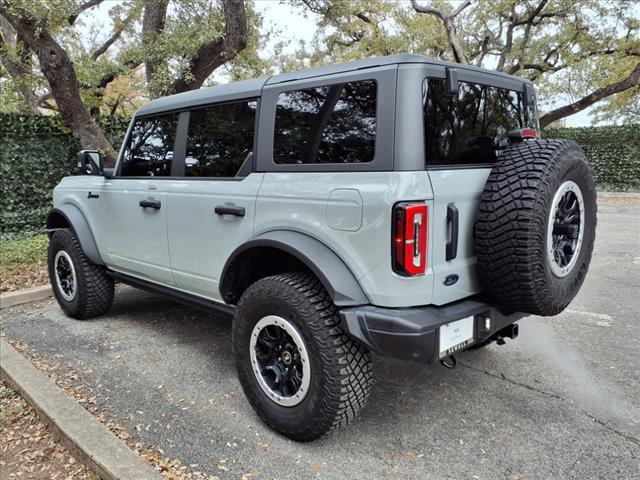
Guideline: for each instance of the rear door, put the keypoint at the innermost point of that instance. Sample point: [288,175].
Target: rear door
[465,131]
[212,203]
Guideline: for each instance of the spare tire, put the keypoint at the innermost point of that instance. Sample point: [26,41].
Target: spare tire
[536,227]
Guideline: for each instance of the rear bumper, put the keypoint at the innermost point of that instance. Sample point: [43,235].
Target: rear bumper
[412,333]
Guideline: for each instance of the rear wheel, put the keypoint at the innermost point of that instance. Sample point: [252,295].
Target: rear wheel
[536,226]
[82,289]
[301,373]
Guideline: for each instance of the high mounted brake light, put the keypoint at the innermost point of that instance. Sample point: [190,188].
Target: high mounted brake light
[409,238]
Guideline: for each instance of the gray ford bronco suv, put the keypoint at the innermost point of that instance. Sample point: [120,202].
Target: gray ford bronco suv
[397,205]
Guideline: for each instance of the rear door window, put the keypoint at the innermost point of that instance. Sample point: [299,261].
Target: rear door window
[149,150]
[220,139]
[471,127]
[326,124]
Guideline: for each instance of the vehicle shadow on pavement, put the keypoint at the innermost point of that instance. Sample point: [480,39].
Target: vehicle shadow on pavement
[207,336]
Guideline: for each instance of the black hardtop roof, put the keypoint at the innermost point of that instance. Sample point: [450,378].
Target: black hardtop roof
[253,88]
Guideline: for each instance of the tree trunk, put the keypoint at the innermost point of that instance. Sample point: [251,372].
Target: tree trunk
[216,53]
[153,21]
[454,40]
[59,72]
[447,21]
[631,81]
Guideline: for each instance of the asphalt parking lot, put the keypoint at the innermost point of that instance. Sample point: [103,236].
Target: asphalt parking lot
[562,401]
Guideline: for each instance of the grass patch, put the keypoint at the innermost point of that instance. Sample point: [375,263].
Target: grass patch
[26,251]
[23,263]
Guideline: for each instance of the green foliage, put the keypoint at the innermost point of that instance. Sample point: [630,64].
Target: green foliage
[612,152]
[36,153]
[568,48]
[15,254]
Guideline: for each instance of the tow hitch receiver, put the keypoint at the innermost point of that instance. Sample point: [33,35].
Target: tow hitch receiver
[510,331]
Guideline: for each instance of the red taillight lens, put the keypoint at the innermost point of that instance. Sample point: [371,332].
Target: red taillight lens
[410,238]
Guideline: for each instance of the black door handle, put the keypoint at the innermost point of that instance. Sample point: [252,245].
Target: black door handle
[452,222]
[150,204]
[230,210]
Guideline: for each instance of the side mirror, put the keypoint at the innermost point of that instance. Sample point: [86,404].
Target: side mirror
[90,162]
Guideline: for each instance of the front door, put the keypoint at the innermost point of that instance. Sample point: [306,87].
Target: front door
[212,206]
[134,202]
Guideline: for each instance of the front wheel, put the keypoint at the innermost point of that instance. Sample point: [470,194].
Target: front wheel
[82,289]
[301,373]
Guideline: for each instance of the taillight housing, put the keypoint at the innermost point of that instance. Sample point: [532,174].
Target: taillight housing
[409,237]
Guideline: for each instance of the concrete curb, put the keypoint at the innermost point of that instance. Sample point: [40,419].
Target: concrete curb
[618,194]
[25,296]
[91,442]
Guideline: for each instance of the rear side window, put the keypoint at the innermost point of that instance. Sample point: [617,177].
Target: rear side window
[149,150]
[471,127]
[220,139]
[328,124]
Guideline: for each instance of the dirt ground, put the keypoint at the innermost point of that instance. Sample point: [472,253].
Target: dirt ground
[27,447]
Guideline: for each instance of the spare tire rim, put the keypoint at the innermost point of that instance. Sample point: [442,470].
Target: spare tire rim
[65,273]
[565,229]
[280,361]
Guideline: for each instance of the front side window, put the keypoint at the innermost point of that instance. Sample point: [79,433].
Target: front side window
[472,126]
[328,124]
[149,150]
[220,139]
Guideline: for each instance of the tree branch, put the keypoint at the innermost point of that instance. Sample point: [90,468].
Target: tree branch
[213,54]
[117,33]
[447,22]
[630,81]
[85,6]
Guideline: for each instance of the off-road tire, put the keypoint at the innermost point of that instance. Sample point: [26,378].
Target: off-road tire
[95,289]
[511,230]
[341,370]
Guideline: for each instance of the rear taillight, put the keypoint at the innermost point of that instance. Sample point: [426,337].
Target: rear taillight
[409,238]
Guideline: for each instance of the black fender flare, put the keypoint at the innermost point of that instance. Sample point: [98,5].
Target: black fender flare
[337,278]
[76,220]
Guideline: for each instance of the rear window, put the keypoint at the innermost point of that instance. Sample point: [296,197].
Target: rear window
[220,139]
[470,128]
[327,124]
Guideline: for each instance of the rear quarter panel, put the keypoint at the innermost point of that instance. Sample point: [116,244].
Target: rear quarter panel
[300,201]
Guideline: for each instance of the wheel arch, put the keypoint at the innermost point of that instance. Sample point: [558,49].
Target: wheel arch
[70,216]
[289,250]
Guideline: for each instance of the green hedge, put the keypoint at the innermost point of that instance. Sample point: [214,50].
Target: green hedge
[612,152]
[37,151]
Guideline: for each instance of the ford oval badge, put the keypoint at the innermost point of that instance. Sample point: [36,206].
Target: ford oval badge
[451,279]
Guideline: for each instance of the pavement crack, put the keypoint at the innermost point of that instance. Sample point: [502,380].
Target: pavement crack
[612,428]
[520,384]
[558,397]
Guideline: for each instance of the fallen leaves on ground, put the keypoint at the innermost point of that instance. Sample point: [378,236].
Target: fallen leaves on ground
[27,276]
[27,447]
[172,469]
